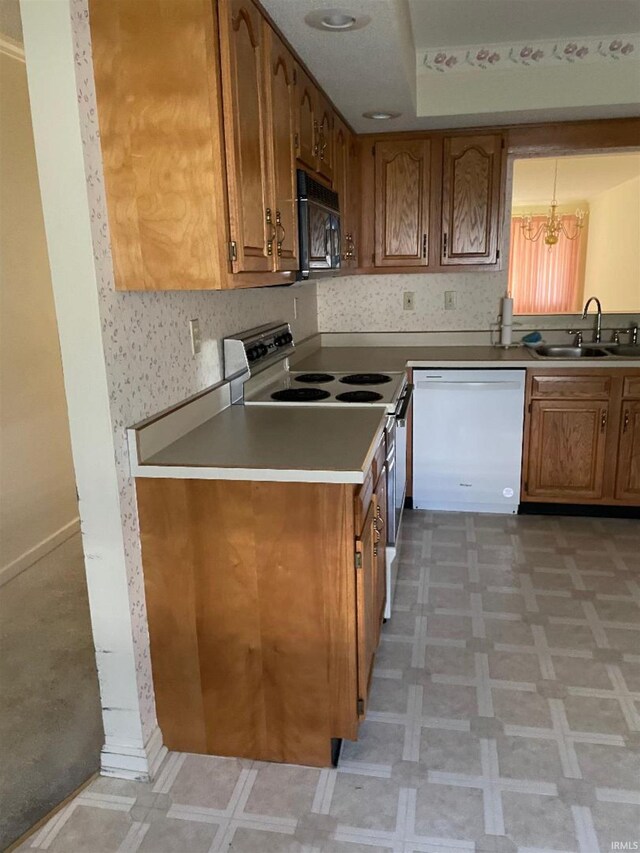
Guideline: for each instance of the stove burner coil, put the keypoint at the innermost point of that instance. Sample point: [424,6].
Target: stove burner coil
[300,395]
[366,379]
[359,397]
[314,378]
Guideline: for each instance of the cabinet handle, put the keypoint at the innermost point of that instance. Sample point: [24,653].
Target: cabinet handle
[349,249]
[603,421]
[424,245]
[280,227]
[315,138]
[323,144]
[444,245]
[626,420]
[269,220]
[380,519]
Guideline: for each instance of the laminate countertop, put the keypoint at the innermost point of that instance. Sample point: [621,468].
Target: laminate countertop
[398,358]
[279,443]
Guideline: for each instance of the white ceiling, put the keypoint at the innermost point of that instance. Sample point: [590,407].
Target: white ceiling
[443,23]
[579,178]
[375,68]
[366,69]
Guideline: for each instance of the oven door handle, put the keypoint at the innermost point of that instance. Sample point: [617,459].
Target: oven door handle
[404,405]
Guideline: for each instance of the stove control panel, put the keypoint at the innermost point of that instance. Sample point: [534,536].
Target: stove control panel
[255,349]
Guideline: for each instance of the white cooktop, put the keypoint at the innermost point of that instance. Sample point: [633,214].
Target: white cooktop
[327,389]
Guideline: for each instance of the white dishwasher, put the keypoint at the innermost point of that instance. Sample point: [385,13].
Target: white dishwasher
[467,439]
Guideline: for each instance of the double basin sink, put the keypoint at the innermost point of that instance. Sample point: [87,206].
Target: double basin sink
[559,351]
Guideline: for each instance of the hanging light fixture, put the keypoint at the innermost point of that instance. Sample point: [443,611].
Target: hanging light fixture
[553,226]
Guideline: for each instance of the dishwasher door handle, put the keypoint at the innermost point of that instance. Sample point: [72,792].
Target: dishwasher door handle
[462,384]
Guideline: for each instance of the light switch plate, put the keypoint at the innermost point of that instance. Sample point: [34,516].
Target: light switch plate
[408,302]
[450,300]
[194,331]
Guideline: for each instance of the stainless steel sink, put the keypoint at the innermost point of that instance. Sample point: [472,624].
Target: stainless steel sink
[559,351]
[624,350]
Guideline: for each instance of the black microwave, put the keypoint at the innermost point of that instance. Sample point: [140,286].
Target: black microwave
[319,228]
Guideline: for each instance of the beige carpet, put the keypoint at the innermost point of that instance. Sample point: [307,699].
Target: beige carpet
[50,722]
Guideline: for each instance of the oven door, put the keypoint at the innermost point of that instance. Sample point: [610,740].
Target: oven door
[401,456]
[391,480]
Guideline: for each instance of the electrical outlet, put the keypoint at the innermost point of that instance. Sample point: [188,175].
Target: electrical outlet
[450,300]
[408,300]
[194,331]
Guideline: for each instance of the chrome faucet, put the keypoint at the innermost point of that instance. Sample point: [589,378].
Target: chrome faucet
[597,332]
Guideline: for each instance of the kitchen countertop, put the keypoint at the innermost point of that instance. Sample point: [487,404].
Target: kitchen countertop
[398,358]
[314,444]
[332,444]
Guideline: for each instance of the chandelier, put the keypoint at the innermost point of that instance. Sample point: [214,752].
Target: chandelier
[554,224]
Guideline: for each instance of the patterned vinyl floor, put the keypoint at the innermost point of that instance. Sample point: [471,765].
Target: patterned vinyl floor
[504,716]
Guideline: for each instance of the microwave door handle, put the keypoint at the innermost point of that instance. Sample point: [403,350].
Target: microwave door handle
[335,261]
[328,241]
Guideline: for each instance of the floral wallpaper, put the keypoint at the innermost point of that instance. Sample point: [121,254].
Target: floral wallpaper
[374,302]
[147,346]
[532,54]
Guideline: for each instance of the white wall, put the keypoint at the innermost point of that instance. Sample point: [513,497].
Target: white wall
[38,503]
[613,249]
[126,356]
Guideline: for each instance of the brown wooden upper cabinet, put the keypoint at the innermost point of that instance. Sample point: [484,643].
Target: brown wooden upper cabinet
[471,183]
[324,138]
[314,127]
[402,186]
[280,78]
[343,180]
[251,209]
[305,112]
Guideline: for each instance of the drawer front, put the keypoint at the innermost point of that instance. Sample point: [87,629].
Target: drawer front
[379,460]
[362,500]
[572,387]
[631,387]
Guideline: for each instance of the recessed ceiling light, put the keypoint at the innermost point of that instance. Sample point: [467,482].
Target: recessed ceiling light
[336,20]
[380,115]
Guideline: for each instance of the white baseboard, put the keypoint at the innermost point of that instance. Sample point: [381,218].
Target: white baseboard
[122,761]
[34,554]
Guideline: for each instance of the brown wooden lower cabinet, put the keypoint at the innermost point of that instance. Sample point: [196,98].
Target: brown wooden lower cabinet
[582,436]
[628,475]
[264,606]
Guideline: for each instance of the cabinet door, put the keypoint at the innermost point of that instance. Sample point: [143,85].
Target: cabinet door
[471,180]
[242,58]
[281,131]
[628,475]
[366,617]
[380,534]
[567,449]
[324,139]
[341,184]
[305,110]
[402,203]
